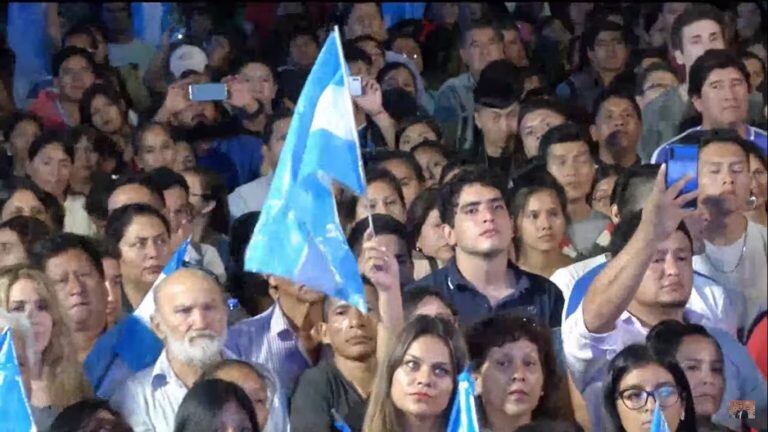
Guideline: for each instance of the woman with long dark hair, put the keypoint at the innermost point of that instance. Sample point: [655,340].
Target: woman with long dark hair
[635,378]
[214,404]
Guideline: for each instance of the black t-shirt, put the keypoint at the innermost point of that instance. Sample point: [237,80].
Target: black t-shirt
[319,389]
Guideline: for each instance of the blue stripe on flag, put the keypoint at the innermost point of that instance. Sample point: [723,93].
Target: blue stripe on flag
[463,412]
[15,414]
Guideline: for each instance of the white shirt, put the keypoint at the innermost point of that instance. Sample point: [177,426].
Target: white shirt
[250,196]
[149,400]
[747,275]
[565,277]
[76,219]
[722,307]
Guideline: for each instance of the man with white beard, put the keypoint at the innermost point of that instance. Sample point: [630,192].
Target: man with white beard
[191,319]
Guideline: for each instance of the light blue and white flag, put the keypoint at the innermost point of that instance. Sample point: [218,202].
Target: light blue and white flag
[15,414]
[147,306]
[298,235]
[464,413]
[659,423]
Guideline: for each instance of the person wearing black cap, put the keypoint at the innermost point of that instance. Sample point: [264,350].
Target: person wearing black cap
[497,96]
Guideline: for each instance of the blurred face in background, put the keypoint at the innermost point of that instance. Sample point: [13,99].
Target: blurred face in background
[514,49]
[24,203]
[156,149]
[261,83]
[303,51]
[50,169]
[572,165]
[697,38]
[432,241]
[381,198]
[106,116]
[481,47]
[609,53]
[410,49]
[432,163]
[655,84]
[185,157]
[534,125]
[365,19]
[11,250]
[20,139]
[75,76]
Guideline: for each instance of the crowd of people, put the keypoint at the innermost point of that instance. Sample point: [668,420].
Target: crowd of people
[521,219]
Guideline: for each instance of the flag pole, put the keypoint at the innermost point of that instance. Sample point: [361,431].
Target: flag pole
[352,110]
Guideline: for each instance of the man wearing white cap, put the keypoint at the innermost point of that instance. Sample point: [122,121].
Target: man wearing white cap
[187,57]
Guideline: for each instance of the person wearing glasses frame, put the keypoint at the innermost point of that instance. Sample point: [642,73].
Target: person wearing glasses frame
[636,382]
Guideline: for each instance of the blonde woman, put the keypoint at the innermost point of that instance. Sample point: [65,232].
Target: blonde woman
[57,377]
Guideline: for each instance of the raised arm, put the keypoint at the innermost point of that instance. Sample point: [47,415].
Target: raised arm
[371,102]
[613,289]
[154,76]
[380,266]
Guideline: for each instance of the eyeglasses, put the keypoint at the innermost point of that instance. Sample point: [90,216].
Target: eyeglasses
[635,399]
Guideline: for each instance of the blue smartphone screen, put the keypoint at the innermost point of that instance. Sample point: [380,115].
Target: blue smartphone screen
[208,92]
[683,159]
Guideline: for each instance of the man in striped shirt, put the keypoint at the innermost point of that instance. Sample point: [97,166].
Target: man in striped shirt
[719,89]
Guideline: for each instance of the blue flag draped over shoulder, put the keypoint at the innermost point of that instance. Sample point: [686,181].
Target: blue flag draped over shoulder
[298,235]
[463,413]
[15,414]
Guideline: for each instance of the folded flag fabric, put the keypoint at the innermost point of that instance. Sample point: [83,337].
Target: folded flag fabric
[15,415]
[298,235]
[463,413]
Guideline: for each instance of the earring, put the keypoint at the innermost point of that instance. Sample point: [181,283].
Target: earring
[752,202]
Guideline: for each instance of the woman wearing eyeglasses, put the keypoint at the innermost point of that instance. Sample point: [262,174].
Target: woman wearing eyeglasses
[636,382]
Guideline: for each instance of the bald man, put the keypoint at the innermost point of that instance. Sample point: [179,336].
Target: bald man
[131,193]
[191,319]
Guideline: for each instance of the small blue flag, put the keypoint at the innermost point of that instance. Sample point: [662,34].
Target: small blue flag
[463,413]
[147,306]
[298,235]
[659,423]
[14,410]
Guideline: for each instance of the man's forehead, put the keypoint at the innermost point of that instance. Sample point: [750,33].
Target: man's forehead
[566,148]
[67,259]
[502,111]
[483,33]
[720,150]
[677,241]
[392,242]
[724,73]
[608,35]
[702,27]
[540,115]
[478,191]
[615,103]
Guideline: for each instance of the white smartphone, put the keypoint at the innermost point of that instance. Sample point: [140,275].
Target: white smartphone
[355,86]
